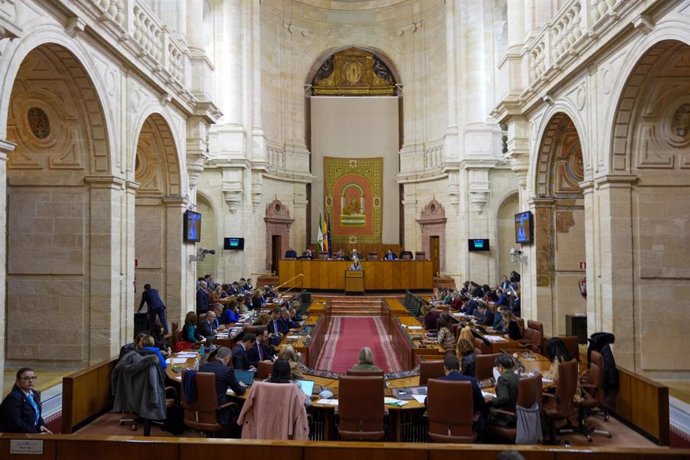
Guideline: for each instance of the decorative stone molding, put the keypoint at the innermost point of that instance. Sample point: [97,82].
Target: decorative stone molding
[8,14]
[75,26]
[278,223]
[433,223]
[112,182]
[232,194]
[257,191]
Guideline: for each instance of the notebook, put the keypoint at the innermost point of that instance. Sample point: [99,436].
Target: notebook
[246,377]
[307,386]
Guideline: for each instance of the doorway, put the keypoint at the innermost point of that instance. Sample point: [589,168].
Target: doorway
[276,251]
[435,254]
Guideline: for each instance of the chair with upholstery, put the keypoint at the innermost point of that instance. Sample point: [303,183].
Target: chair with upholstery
[533,337]
[420,255]
[264,369]
[361,408]
[480,347]
[202,413]
[406,255]
[484,366]
[372,256]
[176,337]
[365,372]
[450,411]
[559,406]
[592,398]
[529,393]
[572,344]
[323,256]
[430,370]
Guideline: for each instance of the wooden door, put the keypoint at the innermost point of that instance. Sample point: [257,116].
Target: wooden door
[435,250]
[276,251]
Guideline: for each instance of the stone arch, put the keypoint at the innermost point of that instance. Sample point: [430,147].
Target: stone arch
[629,107]
[61,201]
[558,207]
[157,164]
[39,35]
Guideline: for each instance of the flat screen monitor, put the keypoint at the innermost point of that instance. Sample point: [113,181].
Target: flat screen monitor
[192,227]
[233,244]
[479,244]
[524,227]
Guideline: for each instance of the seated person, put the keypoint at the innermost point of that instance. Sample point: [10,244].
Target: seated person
[506,393]
[206,325]
[159,339]
[445,336]
[231,314]
[366,361]
[466,354]
[148,344]
[307,254]
[354,255]
[258,300]
[390,255]
[281,372]
[286,319]
[225,378]
[290,254]
[262,351]
[557,353]
[20,411]
[288,353]
[484,315]
[295,317]
[276,327]
[240,360]
[451,367]
[190,332]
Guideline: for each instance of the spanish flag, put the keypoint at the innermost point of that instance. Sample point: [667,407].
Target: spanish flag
[324,232]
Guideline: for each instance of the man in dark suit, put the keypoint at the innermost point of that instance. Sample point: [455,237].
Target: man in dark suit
[155,307]
[390,255]
[225,378]
[206,327]
[201,298]
[484,315]
[451,367]
[262,351]
[20,411]
[240,360]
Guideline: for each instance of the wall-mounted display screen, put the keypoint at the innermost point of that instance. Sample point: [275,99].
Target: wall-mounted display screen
[233,243]
[524,227]
[192,227]
[479,244]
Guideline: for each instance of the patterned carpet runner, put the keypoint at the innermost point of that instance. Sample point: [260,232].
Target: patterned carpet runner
[346,335]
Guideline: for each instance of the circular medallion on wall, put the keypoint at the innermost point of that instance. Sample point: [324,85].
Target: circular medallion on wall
[38,122]
[678,125]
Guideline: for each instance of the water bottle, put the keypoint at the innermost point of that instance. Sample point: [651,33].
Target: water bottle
[202,350]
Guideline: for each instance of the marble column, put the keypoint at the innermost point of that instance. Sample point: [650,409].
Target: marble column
[5,148]
[175,264]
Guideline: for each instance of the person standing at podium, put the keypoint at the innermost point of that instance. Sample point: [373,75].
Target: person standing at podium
[355,266]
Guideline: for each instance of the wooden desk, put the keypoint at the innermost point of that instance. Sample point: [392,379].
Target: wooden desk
[382,275]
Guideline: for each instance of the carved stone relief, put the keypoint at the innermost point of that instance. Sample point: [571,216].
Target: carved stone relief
[156,163]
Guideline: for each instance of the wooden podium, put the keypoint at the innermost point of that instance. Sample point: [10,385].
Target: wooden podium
[354,281]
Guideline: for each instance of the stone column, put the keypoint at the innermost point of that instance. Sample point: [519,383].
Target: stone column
[105,277]
[541,265]
[5,149]
[592,256]
[132,286]
[510,69]
[175,263]
[616,280]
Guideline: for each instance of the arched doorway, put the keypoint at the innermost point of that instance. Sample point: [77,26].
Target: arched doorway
[354,144]
[60,200]
[559,225]
[158,214]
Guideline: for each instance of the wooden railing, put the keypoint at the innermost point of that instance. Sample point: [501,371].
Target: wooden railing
[76,447]
[86,394]
[643,403]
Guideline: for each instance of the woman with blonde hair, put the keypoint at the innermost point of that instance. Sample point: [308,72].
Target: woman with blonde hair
[288,353]
[466,333]
[365,361]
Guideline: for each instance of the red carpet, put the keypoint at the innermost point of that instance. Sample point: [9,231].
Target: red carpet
[347,334]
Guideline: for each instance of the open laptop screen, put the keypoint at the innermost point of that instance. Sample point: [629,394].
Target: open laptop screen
[307,386]
[246,377]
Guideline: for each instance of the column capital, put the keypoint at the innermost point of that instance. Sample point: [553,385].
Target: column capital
[615,181]
[112,182]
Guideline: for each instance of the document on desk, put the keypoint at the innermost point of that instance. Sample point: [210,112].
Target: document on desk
[495,338]
[394,402]
[327,402]
[177,360]
[420,398]
[487,394]
[187,354]
[414,328]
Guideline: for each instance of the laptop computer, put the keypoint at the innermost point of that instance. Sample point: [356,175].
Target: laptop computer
[408,393]
[246,377]
[307,386]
